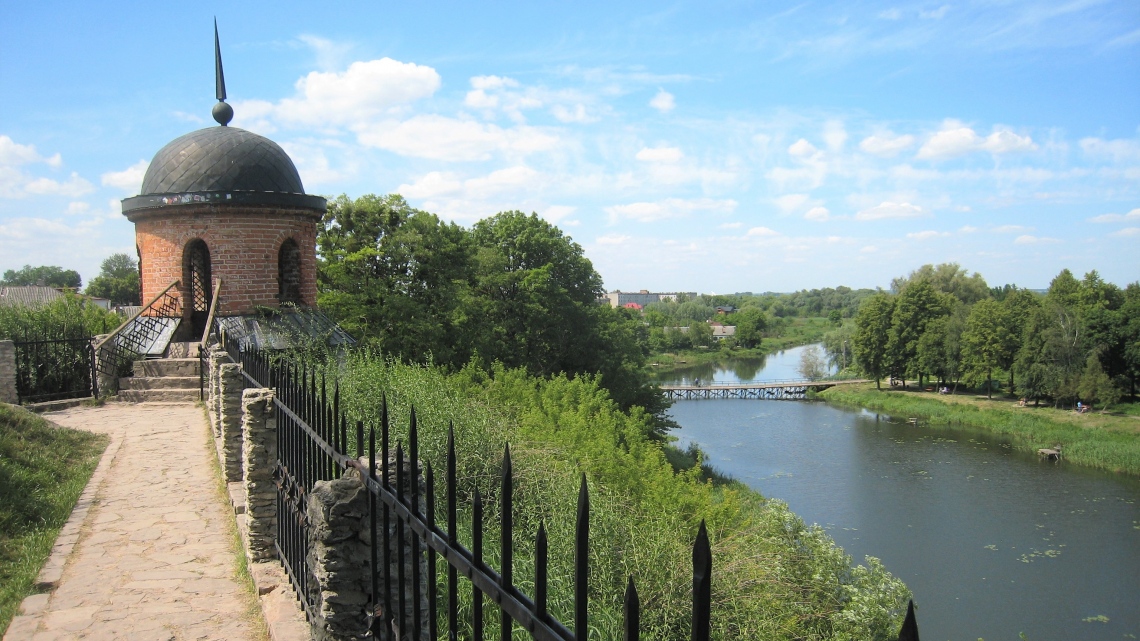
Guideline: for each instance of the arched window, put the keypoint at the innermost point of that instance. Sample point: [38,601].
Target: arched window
[289,273]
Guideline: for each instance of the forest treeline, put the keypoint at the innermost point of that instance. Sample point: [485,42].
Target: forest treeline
[1078,341]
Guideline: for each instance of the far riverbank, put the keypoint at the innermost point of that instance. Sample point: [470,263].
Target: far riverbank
[1099,440]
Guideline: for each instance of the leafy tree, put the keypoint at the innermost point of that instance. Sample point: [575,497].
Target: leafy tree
[396,277]
[837,345]
[948,278]
[872,332]
[812,365]
[535,291]
[940,347]
[918,304]
[1096,385]
[1019,305]
[750,325]
[985,340]
[118,280]
[46,275]
[700,334]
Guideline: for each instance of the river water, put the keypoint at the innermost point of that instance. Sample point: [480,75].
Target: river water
[992,542]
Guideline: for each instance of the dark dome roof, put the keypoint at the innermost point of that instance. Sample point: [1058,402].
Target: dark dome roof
[221,159]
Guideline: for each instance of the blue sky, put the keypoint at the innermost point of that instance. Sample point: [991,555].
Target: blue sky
[713,146]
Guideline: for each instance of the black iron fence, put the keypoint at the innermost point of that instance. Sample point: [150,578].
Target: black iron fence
[52,370]
[312,444]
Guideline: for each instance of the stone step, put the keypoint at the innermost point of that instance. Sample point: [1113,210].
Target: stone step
[158,395]
[160,382]
[167,367]
[184,350]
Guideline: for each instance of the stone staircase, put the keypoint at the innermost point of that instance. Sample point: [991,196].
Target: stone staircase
[167,380]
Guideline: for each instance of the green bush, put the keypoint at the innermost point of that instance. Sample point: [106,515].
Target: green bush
[67,317]
[773,576]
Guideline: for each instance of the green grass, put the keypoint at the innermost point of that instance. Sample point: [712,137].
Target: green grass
[775,577]
[43,470]
[1100,440]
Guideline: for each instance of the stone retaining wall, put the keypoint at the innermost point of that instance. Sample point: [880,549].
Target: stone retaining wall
[338,537]
[8,373]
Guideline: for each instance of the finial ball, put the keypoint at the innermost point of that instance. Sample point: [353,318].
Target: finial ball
[223,113]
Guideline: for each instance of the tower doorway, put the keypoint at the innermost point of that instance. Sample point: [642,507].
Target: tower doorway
[196,275]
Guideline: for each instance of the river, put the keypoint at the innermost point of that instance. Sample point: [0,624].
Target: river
[992,542]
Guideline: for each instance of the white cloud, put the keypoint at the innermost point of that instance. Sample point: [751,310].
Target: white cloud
[443,138]
[663,101]
[1004,141]
[817,214]
[935,14]
[1116,218]
[890,210]
[13,153]
[968,229]
[496,182]
[363,92]
[431,184]
[73,187]
[612,239]
[762,232]
[956,139]
[1034,240]
[649,212]
[834,135]
[128,180]
[77,207]
[558,214]
[735,225]
[1119,150]
[868,249]
[927,235]
[890,14]
[660,154]
[1127,231]
[484,83]
[886,144]
[577,113]
[1011,229]
[802,149]
[791,202]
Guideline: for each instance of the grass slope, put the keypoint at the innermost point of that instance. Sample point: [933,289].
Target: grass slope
[43,470]
[775,577]
[1105,441]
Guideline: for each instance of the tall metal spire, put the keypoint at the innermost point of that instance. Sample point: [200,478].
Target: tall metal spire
[222,112]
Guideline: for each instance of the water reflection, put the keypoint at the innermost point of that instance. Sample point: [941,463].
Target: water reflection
[782,365]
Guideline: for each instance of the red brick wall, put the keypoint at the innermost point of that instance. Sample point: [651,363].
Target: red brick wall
[244,243]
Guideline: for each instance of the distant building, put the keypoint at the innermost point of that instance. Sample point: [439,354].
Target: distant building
[644,297]
[725,309]
[721,332]
[634,306]
[28,296]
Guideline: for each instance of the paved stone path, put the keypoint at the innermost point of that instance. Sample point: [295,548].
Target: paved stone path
[155,558]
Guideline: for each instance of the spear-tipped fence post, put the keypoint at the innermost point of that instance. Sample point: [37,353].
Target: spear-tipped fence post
[506,540]
[702,585]
[631,609]
[582,563]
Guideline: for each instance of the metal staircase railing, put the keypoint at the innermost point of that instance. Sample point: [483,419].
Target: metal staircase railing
[205,344]
[116,353]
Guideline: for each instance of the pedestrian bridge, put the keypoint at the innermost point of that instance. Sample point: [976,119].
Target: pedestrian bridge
[787,390]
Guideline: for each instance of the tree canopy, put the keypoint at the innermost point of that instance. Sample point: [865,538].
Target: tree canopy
[46,275]
[118,280]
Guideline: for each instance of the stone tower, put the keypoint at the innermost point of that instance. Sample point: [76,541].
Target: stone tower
[225,203]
